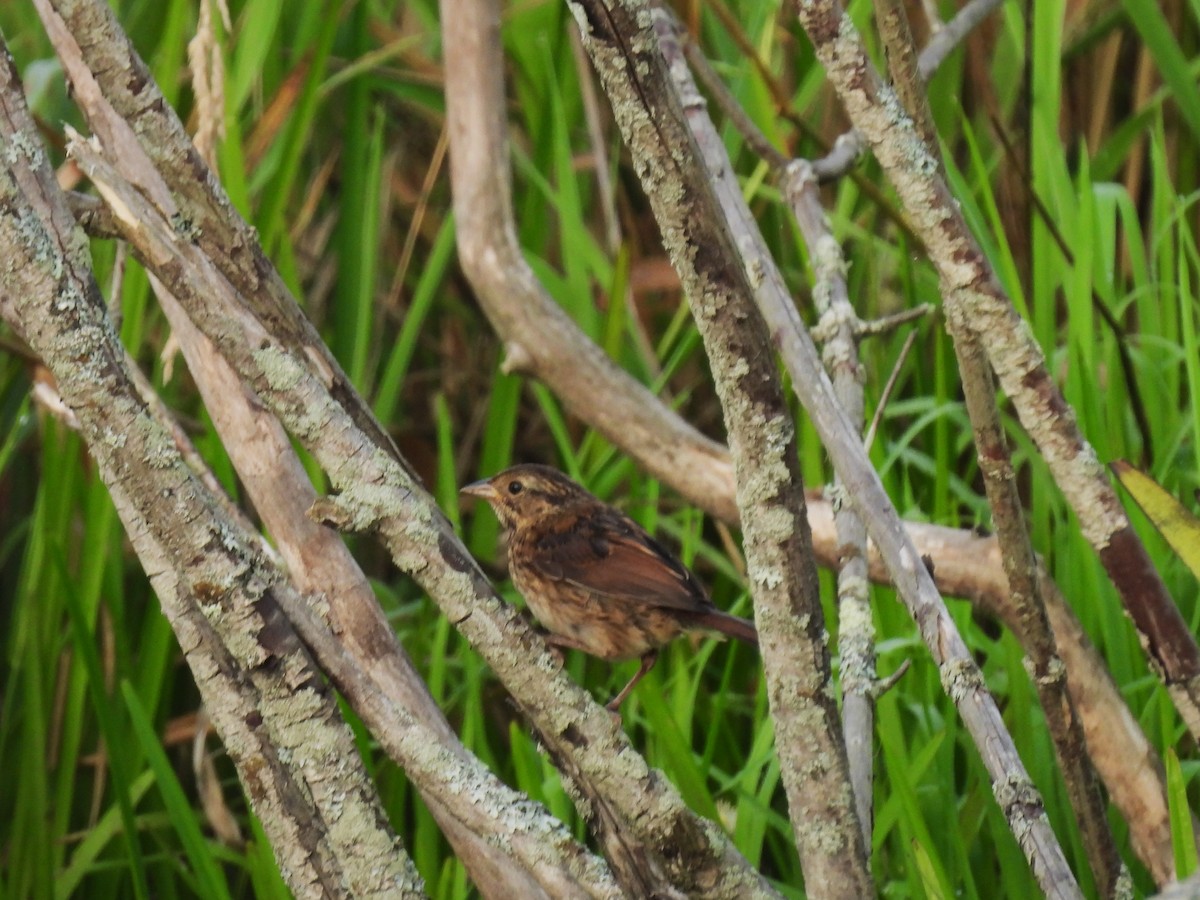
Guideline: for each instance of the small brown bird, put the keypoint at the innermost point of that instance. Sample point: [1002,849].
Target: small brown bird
[593,577]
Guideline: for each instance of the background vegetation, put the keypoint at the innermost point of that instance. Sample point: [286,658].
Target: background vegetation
[334,149]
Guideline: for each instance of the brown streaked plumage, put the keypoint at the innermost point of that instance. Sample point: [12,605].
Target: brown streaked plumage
[593,577]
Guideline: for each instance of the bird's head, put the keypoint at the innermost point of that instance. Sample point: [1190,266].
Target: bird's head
[527,493]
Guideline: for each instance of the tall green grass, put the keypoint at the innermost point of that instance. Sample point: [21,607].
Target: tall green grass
[91,805]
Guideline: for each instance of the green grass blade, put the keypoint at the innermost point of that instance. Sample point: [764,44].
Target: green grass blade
[207,871]
[111,727]
[1168,57]
[87,854]
[1183,838]
[399,358]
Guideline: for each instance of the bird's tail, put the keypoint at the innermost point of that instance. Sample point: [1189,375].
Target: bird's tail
[734,626]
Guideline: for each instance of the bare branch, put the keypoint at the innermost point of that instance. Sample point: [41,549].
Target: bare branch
[203,210]
[539,337]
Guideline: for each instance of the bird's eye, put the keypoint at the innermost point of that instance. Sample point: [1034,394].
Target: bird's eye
[515,487]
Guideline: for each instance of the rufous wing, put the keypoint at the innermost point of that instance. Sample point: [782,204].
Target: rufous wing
[614,557]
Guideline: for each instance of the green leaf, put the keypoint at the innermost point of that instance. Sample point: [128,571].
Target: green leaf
[1183,838]
[207,870]
[1165,52]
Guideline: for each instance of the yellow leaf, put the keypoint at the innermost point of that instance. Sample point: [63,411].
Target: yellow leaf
[1176,524]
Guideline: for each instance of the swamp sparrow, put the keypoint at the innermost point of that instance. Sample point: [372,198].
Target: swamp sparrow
[593,577]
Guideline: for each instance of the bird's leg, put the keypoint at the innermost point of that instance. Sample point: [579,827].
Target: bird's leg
[557,643]
[648,661]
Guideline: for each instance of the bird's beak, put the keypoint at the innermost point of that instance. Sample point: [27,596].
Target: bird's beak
[483,489]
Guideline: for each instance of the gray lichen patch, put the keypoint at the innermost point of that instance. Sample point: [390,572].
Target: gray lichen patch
[799,691]
[30,234]
[1017,791]
[158,450]
[821,834]
[961,677]
[361,506]
[22,148]
[113,438]
[283,371]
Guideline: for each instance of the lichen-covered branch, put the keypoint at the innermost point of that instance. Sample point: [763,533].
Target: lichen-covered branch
[1045,666]
[371,668]
[281,724]
[975,300]
[374,493]
[850,145]
[377,492]
[203,208]
[891,20]
[970,566]
[856,629]
[1020,563]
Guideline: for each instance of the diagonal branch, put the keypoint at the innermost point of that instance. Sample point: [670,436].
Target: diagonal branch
[370,667]
[279,721]
[538,336]
[319,560]
[855,626]
[1033,625]
[1020,564]
[375,494]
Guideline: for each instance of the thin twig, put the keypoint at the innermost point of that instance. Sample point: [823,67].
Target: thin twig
[850,145]
[758,141]
[841,326]
[418,217]
[869,437]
